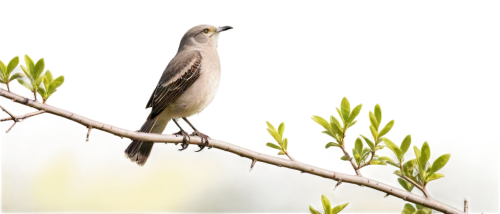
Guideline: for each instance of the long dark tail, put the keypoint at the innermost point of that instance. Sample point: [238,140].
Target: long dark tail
[138,151]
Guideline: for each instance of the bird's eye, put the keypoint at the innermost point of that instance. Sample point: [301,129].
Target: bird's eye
[205,31]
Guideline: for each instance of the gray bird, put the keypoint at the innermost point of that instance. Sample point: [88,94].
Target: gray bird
[187,86]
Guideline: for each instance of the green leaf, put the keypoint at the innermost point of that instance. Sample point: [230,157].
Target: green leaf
[3,69]
[440,162]
[26,72]
[339,208]
[394,148]
[329,133]
[358,146]
[374,132]
[344,158]
[322,122]
[39,81]
[285,144]
[57,83]
[341,117]
[281,153]
[386,129]
[388,159]
[369,142]
[398,173]
[346,104]
[408,166]
[338,137]
[29,63]
[345,115]
[281,129]
[270,126]
[18,74]
[378,113]
[405,144]
[335,124]
[357,157]
[373,121]
[354,113]
[40,65]
[333,140]
[25,84]
[326,204]
[313,211]
[377,162]
[434,176]
[417,152]
[379,147]
[405,184]
[328,145]
[49,76]
[424,156]
[366,153]
[274,146]
[42,93]
[352,124]
[408,209]
[273,132]
[12,65]
[46,82]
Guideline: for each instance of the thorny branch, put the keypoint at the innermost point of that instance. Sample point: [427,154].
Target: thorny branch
[243,152]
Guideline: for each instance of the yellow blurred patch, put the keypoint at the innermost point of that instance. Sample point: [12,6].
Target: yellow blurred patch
[7,190]
[63,182]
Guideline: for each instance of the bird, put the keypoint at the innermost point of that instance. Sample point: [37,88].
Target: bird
[186,87]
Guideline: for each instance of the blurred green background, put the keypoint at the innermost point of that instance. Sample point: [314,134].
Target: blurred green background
[45,166]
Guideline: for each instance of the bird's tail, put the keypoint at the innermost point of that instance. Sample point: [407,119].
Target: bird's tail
[138,151]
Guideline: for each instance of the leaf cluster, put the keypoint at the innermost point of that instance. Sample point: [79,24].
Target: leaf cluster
[328,207]
[420,170]
[278,136]
[364,147]
[35,77]
[6,70]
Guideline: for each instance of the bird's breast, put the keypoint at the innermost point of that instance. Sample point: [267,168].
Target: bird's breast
[202,92]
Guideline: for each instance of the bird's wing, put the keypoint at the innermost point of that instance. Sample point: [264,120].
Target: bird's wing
[180,74]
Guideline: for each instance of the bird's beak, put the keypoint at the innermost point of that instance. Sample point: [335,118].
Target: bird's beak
[223,28]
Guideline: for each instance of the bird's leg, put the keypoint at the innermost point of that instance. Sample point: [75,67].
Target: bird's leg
[204,137]
[185,136]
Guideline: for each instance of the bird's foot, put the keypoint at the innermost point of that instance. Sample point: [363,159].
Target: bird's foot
[204,140]
[185,139]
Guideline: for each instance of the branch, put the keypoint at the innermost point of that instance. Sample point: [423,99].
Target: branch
[252,155]
[23,116]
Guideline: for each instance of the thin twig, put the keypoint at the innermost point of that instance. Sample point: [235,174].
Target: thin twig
[368,163]
[17,118]
[277,161]
[421,188]
[23,116]
[354,166]
[286,153]
[8,130]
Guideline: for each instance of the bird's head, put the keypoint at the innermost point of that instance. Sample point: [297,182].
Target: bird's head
[202,35]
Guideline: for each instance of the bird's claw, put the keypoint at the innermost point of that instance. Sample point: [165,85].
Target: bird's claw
[204,140]
[185,139]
